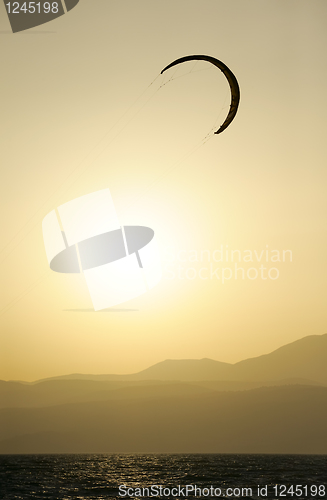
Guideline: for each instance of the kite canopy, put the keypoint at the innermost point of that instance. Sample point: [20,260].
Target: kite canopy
[234,87]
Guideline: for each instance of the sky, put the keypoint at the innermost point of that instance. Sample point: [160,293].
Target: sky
[84,108]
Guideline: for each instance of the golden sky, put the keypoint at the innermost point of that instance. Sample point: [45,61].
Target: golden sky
[78,116]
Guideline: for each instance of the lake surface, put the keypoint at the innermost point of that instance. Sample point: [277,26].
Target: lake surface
[98,477]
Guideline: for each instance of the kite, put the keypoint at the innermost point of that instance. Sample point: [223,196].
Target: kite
[234,87]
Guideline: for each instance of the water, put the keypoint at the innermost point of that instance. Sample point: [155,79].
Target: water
[98,477]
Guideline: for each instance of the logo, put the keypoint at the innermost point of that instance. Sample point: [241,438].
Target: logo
[118,262]
[26,15]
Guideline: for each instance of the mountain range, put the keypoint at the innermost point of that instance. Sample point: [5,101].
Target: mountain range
[303,359]
[275,403]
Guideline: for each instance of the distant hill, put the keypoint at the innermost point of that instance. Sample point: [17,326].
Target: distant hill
[276,403]
[303,359]
[58,392]
[289,419]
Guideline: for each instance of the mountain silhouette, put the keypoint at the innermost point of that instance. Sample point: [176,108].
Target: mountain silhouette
[303,359]
[289,419]
[275,403]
